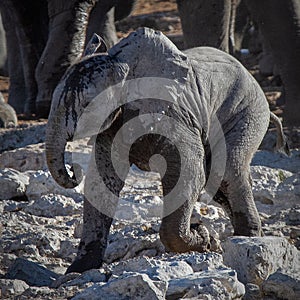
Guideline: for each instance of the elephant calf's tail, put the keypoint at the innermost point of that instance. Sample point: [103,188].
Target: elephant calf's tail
[281,144]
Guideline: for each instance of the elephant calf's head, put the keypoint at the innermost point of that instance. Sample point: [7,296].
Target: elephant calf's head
[77,107]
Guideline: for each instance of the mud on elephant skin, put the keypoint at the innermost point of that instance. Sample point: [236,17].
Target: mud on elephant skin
[45,37]
[214,112]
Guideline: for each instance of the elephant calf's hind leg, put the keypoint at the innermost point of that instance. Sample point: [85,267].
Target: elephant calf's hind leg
[245,218]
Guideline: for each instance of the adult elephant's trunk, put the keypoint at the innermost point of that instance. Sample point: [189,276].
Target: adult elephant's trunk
[55,155]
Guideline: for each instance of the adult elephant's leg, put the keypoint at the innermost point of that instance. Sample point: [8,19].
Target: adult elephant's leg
[102,188]
[32,39]
[279,22]
[205,22]
[182,183]
[123,8]
[103,17]
[102,22]
[67,23]
[22,16]
[241,23]
[17,90]
[3,50]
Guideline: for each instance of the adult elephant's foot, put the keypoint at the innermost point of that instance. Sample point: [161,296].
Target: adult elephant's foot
[91,259]
[178,240]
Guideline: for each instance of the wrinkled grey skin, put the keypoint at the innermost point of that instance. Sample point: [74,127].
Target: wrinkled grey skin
[8,117]
[215,84]
[45,37]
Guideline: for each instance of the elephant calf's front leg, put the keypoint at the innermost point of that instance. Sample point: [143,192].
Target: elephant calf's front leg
[175,232]
[93,241]
[102,188]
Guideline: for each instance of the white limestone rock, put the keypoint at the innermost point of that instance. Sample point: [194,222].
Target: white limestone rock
[37,237]
[22,136]
[280,285]
[255,258]
[132,241]
[275,189]
[52,205]
[31,272]
[277,160]
[186,274]
[201,261]
[10,288]
[128,286]
[13,184]
[141,197]
[42,183]
[31,157]
[213,218]
[68,249]
[79,280]
[161,270]
[43,293]
[210,285]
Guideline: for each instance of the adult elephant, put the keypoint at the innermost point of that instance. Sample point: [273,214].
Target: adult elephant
[206,23]
[279,23]
[25,24]
[3,52]
[51,36]
[211,23]
[144,99]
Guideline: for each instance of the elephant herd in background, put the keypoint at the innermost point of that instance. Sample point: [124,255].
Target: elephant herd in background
[44,37]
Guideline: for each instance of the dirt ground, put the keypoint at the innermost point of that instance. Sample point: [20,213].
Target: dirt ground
[163,15]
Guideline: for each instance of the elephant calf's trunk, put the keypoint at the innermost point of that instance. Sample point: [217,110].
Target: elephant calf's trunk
[55,150]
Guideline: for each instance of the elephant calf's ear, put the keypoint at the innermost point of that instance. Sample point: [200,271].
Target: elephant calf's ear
[94,44]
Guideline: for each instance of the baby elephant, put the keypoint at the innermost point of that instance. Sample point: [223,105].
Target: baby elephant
[8,117]
[199,109]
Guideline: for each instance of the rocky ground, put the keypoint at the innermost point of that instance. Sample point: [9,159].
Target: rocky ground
[41,225]
[40,222]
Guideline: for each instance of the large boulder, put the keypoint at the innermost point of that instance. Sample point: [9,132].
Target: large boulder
[31,272]
[42,183]
[280,285]
[255,258]
[275,189]
[22,136]
[210,285]
[13,184]
[52,205]
[10,288]
[31,157]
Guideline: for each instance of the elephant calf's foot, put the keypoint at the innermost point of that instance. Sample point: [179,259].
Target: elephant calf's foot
[195,239]
[245,226]
[91,259]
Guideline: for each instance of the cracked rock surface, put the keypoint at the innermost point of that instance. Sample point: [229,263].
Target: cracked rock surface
[41,227]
